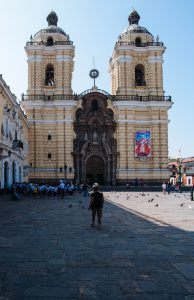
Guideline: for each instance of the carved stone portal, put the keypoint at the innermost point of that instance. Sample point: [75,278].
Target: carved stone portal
[95,148]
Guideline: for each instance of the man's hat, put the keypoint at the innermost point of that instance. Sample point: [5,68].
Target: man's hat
[95,185]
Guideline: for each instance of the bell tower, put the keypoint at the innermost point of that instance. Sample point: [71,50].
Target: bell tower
[49,103]
[50,60]
[136,62]
[140,104]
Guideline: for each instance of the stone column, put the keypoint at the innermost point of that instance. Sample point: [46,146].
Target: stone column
[109,171]
[114,170]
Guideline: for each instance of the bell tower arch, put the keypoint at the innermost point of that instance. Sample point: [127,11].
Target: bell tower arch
[136,62]
[50,60]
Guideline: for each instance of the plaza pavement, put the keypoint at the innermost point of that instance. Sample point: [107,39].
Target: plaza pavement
[145,249]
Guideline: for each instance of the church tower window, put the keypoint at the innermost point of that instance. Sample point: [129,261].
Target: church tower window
[138,42]
[140,75]
[50,41]
[49,75]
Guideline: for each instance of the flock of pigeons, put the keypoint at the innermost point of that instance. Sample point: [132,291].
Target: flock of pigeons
[120,195]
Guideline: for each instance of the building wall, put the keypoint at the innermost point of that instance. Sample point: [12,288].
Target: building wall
[137,107]
[13,139]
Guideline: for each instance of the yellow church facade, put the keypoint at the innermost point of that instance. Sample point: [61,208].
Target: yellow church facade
[111,138]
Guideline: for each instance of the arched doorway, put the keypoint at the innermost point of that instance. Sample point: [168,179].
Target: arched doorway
[95,170]
[6,175]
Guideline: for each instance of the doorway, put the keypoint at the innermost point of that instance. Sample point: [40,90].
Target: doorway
[6,175]
[95,170]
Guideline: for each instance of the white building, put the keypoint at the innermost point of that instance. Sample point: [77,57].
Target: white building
[13,139]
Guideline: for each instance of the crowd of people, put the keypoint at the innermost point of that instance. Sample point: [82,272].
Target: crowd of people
[46,190]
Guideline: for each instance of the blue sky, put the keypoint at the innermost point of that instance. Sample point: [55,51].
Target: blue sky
[93,26]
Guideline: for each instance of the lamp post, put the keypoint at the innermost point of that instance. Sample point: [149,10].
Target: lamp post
[65,170]
[180,175]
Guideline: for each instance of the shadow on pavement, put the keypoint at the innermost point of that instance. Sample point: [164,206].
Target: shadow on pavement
[49,251]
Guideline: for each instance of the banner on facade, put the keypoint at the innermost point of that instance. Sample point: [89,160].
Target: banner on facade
[142,144]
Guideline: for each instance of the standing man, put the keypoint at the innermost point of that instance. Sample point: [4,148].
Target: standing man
[96,205]
[62,188]
[85,189]
[164,188]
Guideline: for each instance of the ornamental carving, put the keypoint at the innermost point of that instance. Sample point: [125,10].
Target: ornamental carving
[94,129]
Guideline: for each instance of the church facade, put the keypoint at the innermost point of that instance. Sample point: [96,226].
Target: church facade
[96,136]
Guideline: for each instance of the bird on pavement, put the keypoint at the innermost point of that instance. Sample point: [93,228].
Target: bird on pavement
[182,204]
[156,205]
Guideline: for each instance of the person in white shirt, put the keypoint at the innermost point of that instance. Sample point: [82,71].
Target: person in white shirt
[164,188]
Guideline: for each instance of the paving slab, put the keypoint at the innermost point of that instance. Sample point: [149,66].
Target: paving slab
[144,251]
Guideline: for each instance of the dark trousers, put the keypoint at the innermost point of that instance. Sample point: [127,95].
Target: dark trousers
[98,212]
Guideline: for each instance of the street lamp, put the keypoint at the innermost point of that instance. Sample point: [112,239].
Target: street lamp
[180,174]
[65,170]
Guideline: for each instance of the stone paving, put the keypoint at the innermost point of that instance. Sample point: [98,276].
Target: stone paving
[145,249]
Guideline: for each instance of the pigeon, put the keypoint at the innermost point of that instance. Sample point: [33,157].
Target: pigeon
[156,205]
[70,205]
[182,204]
[151,199]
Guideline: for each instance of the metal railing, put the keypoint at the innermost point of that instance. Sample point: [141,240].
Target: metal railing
[48,97]
[141,98]
[92,91]
[111,97]
[121,43]
[41,43]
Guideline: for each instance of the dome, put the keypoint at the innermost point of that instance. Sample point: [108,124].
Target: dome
[134,26]
[49,31]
